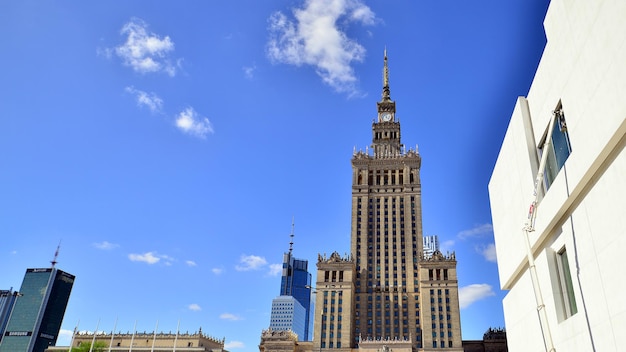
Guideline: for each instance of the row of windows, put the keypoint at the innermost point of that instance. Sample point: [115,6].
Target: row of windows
[443,344]
[385,201]
[432,300]
[432,291]
[333,276]
[432,308]
[441,327]
[418,331]
[403,267]
[436,274]
[396,298]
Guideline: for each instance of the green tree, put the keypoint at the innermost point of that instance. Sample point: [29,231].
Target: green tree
[99,346]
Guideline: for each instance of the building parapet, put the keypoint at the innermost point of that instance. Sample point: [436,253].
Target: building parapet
[385,344]
[334,258]
[411,153]
[437,256]
[282,335]
[151,335]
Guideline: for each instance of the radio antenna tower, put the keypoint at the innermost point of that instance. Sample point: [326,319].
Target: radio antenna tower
[291,236]
[56,255]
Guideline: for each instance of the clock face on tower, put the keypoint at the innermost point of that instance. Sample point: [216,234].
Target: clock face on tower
[386,116]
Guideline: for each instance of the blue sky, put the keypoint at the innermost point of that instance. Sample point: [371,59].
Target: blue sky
[167,146]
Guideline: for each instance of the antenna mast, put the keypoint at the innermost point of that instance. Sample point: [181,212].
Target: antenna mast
[56,255]
[291,236]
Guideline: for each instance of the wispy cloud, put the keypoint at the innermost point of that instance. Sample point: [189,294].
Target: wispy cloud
[250,262]
[148,258]
[105,245]
[229,316]
[477,231]
[488,252]
[143,51]
[233,344]
[249,71]
[190,263]
[189,121]
[446,246]
[194,307]
[167,260]
[145,99]
[472,293]
[275,269]
[151,258]
[217,271]
[314,37]
[65,337]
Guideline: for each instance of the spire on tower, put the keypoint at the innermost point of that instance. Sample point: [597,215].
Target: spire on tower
[56,255]
[386,92]
[291,236]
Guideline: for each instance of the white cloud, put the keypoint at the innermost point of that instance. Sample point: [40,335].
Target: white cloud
[145,52]
[148,257]
[105,245]
[104,52]
[488,251]
[472,293]
[477,231]
[249,71]
[233,344]
[315,38]
[250,262]
[194,307]
[275,269]
[190,263]
[149,100]
[167,260]
[217,271]
[152,258]
[65,337]
[446,246]
[229,316]
[190,122]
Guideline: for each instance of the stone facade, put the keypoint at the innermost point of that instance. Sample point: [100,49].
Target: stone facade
[439,289]
[392,295]
[334,303]
[162,342]
[379,298]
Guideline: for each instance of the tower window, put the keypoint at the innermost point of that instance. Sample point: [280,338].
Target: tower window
[568,299]
[559,148]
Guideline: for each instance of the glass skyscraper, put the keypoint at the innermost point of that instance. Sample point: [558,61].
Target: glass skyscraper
[36,316]
[296,282]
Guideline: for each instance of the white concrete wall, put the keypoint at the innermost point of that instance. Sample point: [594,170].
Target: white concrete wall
[584,67]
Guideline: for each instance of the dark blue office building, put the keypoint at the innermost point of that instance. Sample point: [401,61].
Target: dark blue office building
[36,313]
[296,282]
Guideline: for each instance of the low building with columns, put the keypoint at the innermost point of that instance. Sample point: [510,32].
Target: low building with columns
[153,342]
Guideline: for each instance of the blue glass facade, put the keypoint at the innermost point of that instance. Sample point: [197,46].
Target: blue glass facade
[36,316]
[296,282]
[7,298]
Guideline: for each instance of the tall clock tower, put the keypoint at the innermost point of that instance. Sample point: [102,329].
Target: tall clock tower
[386,130]
[401,299]
[386,296]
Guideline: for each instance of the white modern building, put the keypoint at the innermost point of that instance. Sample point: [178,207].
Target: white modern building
[565,293]
[287,314]
[431,245]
